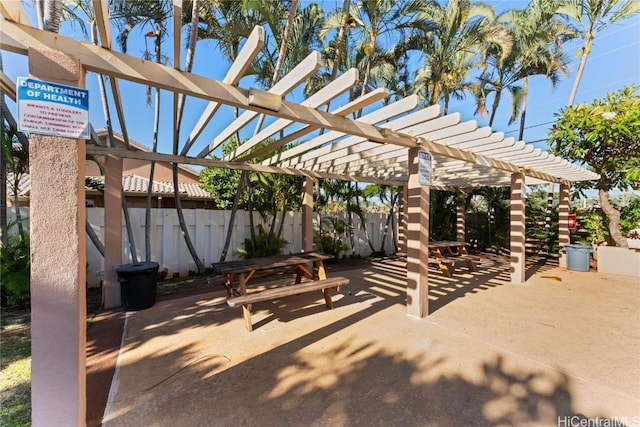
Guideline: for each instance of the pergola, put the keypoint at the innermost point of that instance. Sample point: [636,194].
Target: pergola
[381,146]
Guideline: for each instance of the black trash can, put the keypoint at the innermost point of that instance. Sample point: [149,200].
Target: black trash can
[138,285]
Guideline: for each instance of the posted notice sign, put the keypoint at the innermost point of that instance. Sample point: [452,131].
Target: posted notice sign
[424,167]
[52,109]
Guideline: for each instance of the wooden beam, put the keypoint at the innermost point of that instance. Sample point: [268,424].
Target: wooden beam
[177,33]
[247,54]
[170,158]
[7,85]
[474,136]
[335,88]
[351,107]
[384,113]
[12,10]
[405,124]
[101,10]
[301,72]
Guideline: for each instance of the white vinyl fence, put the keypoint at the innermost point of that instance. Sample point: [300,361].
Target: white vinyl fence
[207,229]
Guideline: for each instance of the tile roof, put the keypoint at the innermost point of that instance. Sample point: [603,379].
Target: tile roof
[130,184]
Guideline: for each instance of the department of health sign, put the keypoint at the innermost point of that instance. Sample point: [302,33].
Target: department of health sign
[52,109]
[424,167]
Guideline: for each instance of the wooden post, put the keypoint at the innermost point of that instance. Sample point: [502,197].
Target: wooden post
[564,237]
[307,214]
[58,261]
[461,230]
[417,241]
[517,229]
[112,231]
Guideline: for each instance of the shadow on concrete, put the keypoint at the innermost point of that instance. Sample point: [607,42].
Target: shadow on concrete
[344,383]
[351,382]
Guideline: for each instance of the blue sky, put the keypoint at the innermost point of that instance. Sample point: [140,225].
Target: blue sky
[613,63]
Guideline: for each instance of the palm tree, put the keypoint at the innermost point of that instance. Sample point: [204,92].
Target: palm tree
[227,23]
[453,40]
[191,47]
[538,37]
[16,156]
[155,14]
[49,14]
[593,16]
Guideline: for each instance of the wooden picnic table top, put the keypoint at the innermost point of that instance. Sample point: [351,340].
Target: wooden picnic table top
[264,263]
[447,244]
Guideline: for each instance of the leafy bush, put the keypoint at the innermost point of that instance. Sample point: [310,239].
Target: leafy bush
[15,265]
[329,239]
[266,244]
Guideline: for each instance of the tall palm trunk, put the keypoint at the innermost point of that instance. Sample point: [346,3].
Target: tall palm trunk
[389,223]
[244,177]
[583,62]
[156,126]
[176,190]
[281,54]
[340,38]
[107,118]
[523,114]
[494,107]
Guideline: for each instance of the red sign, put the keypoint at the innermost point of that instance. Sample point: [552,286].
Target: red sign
[573,222]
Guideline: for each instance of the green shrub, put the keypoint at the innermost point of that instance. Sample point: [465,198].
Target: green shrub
[266,244]
[15,265]
[329,239]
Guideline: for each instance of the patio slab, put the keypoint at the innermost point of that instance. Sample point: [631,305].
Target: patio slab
[565,344]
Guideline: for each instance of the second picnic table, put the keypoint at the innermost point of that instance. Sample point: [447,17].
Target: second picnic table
[446,253]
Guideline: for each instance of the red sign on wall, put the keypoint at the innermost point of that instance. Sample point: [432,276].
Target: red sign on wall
[573,222]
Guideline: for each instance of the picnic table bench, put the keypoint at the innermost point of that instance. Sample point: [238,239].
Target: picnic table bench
[307,265]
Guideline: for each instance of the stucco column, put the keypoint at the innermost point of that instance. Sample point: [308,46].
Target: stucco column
[58,261]
[307,214]
[461,230]
[417,241]
[564,237]
[402,219]
[547,219]
[112,231]
[517,229]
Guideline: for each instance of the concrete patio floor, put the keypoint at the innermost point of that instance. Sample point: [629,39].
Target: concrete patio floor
[565,344]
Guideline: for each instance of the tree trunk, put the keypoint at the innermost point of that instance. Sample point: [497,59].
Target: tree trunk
[183,225]
[494,107]
[281,54]
[388,223]
[94,238]
[583,62]
[232,218]
[176,136]
[152,169]
[244,178]
[3,190]
[614,218]
[3,177]
[340,38]
[523,113]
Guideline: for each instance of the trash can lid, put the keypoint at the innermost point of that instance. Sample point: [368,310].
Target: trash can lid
[579,247]
[136,267]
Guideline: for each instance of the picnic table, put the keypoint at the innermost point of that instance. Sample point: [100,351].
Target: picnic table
[447,253]
[308,265]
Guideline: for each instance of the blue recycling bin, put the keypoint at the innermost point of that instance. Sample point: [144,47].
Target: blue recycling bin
[578,257]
